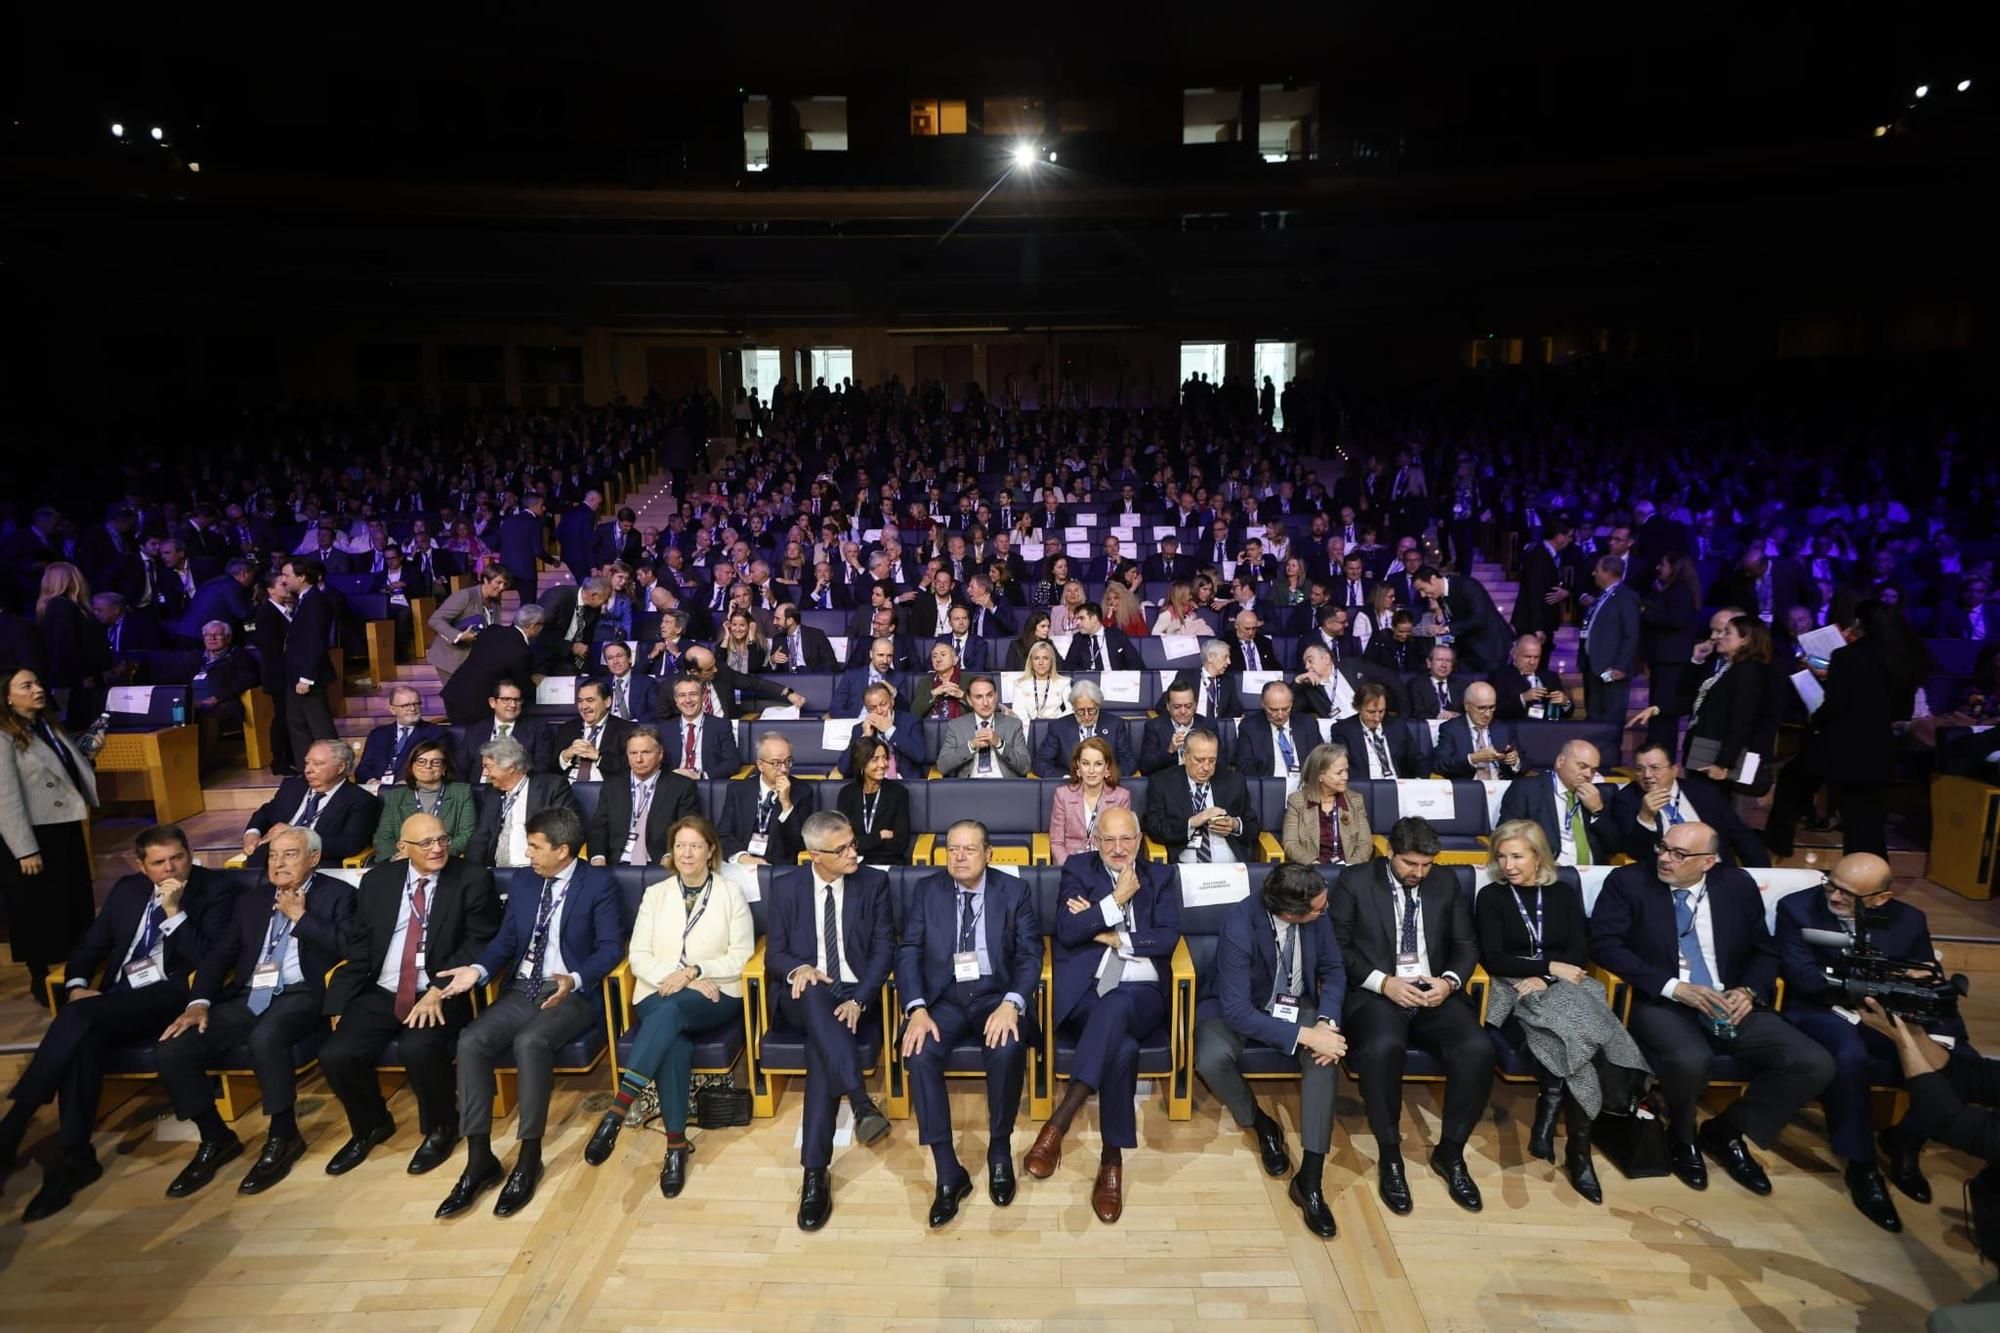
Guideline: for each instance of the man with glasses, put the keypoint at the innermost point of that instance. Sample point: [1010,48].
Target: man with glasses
[1477,746]
[970,956]
[830,937]
[389,744]
[413,918]
[504,722]
[1859,883]
[1687,934]
[1572,807]
[1280,982]
[1665,796]
[764,815]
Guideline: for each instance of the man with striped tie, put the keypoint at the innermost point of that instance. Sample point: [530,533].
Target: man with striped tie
[1205,816]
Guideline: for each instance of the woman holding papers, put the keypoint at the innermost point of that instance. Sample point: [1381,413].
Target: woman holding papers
[1732,719]
[1178,616]
[1325,823]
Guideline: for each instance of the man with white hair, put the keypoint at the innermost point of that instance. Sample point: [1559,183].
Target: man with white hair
[323,799]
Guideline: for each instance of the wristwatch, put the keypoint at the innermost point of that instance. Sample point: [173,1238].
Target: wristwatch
[696,969]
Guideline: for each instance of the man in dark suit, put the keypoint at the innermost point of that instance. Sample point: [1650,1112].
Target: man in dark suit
[521,545]
[576,535]
[909,745]
[1440,691]
[389,745]
[227,597]
[1060,737]
[273,627]
[619,540]
[1099,647]
[1608,644]
[1473,623]
[964,911]
[725,684]
[569,626]
[1276,742]
[697,745]
[1545,581]
[1207,814]
[1249,648]
[497,654]
[1380,752]
[125,980]
[1169,565]
[1764,585]
[511,796]
[1475,745]
[323,799]
[561,935]
[633,696]
[1665,796]
[879,664]
[504,721]
[1573,808]
[308,669]
[797,646]
[1687,934]
[1406,938]
[262,982]
[830,937]
[1524,689]
[591,746]
[1286,998]
[1216,683]
[1117,927]
[636,808]
[414,919]
[763,817]
[1163,740]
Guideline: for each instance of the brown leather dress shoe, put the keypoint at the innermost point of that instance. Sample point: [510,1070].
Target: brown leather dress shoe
[1107,1197]
[1046,1154]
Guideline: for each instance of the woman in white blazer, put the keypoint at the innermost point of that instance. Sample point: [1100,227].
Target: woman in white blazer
[47,787]
[689,945]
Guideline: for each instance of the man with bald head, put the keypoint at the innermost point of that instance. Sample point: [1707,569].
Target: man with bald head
[1477,744]
[1573,808]
[413,917]
[1859,883]
[1687,934]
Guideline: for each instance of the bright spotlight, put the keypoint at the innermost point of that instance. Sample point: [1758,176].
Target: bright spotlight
[195,167]
[158,134]
[117,130]
[1923,90]
[1024,155]
[1881,130]
[1965,85]
[1052,154]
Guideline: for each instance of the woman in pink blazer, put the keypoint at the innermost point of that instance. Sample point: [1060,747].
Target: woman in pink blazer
[1091,790]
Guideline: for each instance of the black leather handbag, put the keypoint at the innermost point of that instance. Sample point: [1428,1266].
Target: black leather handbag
[722,1105]
[1637,1143]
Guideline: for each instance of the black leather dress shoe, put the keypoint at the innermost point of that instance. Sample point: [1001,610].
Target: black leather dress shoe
[1000,1181]
[519,1191]
[869,1123]
[1733,1156]
[273,1164]
[1457,1181]
[61,1183]
[598,1150]
[1906,1168]
[944,1204]
[355,1151]
[1393,1186]
[474,1182]
[815,1199]
[433,1152]
[1271,1150]
[1685,1161]
[674,1171]
[1313,1207]
[1871,1195]
[208,1159]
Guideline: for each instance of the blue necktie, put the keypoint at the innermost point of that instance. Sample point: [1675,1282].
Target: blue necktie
[310,814]
[274,951]
[965,923]
[1697,965]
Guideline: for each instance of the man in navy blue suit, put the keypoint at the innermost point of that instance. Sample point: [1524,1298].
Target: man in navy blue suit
[632,694]
[970,956]
[1276,742]
[1116,931]
[1608,645]
[691,735]
[1279,981]
[1859,883]
[974,653]
[1061,736]
[389,744]
[1475,745]
[1098,647]
[1572,807]
[1687,934]
[830,938]
[561,935]
[1664,796]
[880,665]
[909,747]
[261,984]
[522,544]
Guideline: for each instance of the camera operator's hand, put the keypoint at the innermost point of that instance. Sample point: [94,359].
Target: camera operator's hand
[1919,1053]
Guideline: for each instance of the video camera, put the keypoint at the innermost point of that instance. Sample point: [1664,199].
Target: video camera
[1914,989]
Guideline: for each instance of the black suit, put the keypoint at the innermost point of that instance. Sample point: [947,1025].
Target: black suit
[728,681]
[1267,655]
[1541,574]
[554,646]
[1411,759]
[674,798]
[535,737]
[611,763]
[886,841]
[345,822]
[543,791]
[1700,799]
[1062,735]
[815,651]
[1118,653]
[1423,694]
[1228,700]
[497,654]
[1170,804]
[739,821]
[1849,747]
[308,716]
[1535,798]
[1477,630]
[462,914]
[1369,927]
[1257,748]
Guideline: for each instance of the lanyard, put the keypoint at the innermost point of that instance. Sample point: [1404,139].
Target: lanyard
[701,907]
[868,801]
[274,936]
[1534,925]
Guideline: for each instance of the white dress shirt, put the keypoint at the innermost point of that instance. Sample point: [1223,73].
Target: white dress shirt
[1702,937]
[1136,968]
[839,969]
[391,974]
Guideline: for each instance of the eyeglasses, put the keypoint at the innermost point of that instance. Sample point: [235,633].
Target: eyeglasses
[426,844]
[428,761]
[774,763]
[1828,882]
[1677,855]
[837,852]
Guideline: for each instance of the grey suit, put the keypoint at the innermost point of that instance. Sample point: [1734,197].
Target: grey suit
[35,789]
[1011,758]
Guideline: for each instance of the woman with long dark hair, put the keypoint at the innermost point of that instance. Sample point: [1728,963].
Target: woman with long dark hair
[47,787]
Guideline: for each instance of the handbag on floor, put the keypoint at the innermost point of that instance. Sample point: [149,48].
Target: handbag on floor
[1637,1143]
[721,1105]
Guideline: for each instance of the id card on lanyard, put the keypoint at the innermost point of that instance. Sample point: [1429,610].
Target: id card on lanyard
[421,923]
[695,916]
[1534,924]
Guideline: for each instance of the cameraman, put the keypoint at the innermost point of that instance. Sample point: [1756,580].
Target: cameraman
[1861,882]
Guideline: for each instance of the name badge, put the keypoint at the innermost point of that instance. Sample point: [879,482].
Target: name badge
[1535,710]
[965,966]
[265,977]
[420,960]
[1285,1008]
[143,972]
[1407,966]
[759,843]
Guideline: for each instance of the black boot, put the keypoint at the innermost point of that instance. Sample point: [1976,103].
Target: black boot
[1576,1154]
[1548,1105]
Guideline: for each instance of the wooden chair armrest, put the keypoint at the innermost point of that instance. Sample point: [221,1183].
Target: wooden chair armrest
[1381,841]
[1269,846]
[1183,963]
[52,984]
[365,856]
[1156,851]
[753,999]
[236,862]
[1615,991]
[923,851]
[1039,852]
[620,980]
[1484,984]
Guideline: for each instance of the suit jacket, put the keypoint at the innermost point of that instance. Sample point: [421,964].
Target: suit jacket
[852,685]
[739,821]
[1362,907]
[674,797]
[1738,714]
[642,694]
[716,752]
[1905,934]
[930,938]
[464,605]
[346,822]
[814,647]
[792,921]
[1790,586]
[381,761]
[500,653]
[1477,630]
[974,653]
[1069,826]
[1170,804]
[1119,654]
[544,790]
[1158,569]
[1505,947]
[234,951]
[1257,748]
[1452,755]
[592,929]
[1613,641]
[1230,703]
[576,534]
[207,904]
[1298,836]
[1156,751]
[462,914]
[521,546]
[220,598]
[1633,931]
[1700,799]
[955,755]
[1402,659]
[1668,624]
[1061,736]
[1410,757]
[1540,574]
[535,738]
[1852,728]
[610,746]
[1422,693]
[1267,655]
[1246,969]
[1509,684]
[1156,926]
[1535,798]
[312,631]
[888,844]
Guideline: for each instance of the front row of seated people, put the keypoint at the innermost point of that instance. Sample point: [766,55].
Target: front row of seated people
[1363,964]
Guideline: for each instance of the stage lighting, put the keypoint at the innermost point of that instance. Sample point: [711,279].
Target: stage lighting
[1052,154]
[1923,90]
[1024,155]
[158,134]
[117,130]
[1965,85]
[195,167]
[1881,130]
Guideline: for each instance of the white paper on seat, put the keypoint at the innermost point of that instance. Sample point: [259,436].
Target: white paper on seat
[556,690]
[1175,646]
[838,642]
[871,534]
[1229,570]
[129,699]
[1436,724]
[1496,792]
[1077,535]
[778,713]
[1120,687]
[1592,879]
[836,732]
[1255,681]
[1426,797]
[1213,885]
[1257,533]
[743,877]
[349,874]
[1006,690]
[1077,550]
[1168,531]
[1088,520]
[1015,871]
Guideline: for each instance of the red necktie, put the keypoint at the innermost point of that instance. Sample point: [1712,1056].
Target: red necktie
[688,729]
[413,943]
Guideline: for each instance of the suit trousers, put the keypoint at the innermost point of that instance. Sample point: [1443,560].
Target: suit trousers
[1107,1030]
[69,1062]
[308,718]
[1791,1068]
[1380,1035]
[833,1063]
[663,1050]
[1663,682]
[959,1017]
[1606,700]
[284,758]
[185,1060]
[349,1057]
[1218,1056]
[515,1026]
[1850,1124]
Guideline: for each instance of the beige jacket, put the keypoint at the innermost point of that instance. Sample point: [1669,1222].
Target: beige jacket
[35,789]
[1300,839]
[723,938]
